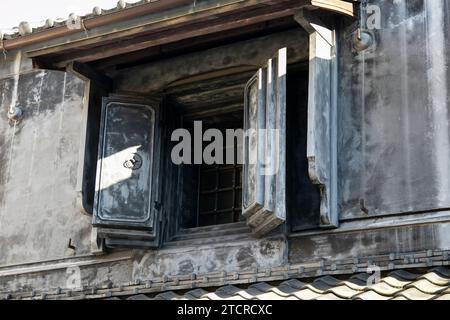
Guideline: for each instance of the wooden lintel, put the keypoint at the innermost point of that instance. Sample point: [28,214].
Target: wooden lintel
[171,36]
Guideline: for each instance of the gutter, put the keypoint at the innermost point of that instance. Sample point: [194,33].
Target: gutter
[91,23]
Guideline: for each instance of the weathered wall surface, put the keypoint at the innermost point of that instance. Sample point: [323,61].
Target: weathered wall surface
[131,266]
[394,143]
[371,239]
[39,212]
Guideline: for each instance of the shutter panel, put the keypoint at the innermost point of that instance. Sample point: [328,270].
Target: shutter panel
[127,169]
[264,175]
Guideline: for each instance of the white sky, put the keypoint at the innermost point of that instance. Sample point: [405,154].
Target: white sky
[12,12]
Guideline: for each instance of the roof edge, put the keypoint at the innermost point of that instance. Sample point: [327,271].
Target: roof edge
[90,22]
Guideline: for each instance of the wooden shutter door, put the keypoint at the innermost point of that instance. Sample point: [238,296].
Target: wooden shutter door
[264,176]
[126,171]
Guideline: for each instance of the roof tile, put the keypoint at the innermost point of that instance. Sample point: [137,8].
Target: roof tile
[399,298]
[262,286]
[396,282]
[169,296]
[384,289]
[270,296]
[398,285]
[307,294]
[138,297]
[415,294]
[344,292]
[444,297]
[320,286]
[329,296]
[426,286]
[196,294]
[403,274]
[371,295]
[442,271]
[356,284]
[294,283]
[329,280]
[436,278]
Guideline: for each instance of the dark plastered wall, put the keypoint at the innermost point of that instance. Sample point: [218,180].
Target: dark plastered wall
[394,138]
[39,208]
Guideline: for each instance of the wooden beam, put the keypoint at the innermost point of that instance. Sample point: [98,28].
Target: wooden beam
[217,25]
[86,72]
[185,45]
[152,26]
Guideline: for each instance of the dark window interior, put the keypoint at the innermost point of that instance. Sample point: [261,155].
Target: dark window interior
[219,194]
[212,193]
[303,197]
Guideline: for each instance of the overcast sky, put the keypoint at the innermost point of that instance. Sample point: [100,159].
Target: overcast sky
[12,12]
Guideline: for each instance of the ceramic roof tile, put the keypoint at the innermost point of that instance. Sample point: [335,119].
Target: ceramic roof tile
[399,298]
[213,296]
[344,292]
[262,286]
[444,272]
[329,280]
[252,293]
[360,277]
[415,294]
[403,274]
[248,294]
[356,284]
[228,294]
[236,297]
[444,297]
[294,283]
[224,293]
[329,296]
[283,291]
[396,282]
[398,285]
[427,287]
[307,294]
[436,278]
[320,286]
[138,297]
[169,296]
[195,294]
[270,296]
[228,291]
[286,290]
[384,289]
[371,295]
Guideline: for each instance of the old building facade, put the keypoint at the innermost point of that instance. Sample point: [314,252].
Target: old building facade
[92,205]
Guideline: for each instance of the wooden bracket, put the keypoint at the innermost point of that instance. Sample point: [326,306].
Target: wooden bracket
[322,113]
